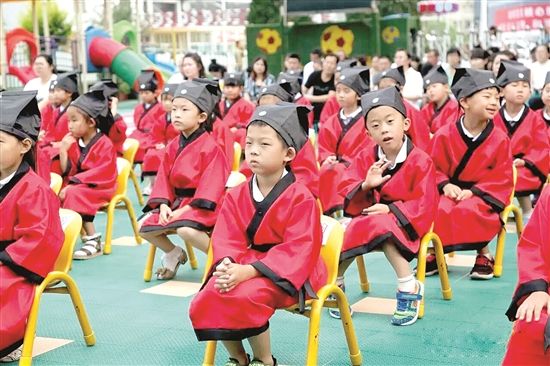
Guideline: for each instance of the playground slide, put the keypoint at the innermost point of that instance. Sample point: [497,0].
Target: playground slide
[15,36]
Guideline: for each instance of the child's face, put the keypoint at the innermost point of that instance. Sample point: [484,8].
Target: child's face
[346,97]
[147,96]
[167,102]
[386,83]
[268,99]
[61,96]
[293,64]
[482,105]
[545,95]
[265,153]
[232,92]
[387,126]
[79,125]
[497,61]
[516,92]
[478,63]
[12,151]
[437,92]
[186,116]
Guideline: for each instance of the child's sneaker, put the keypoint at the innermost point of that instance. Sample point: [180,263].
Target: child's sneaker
[234,362]
[256,362]
[408,306]
[483,268]
[335,312]
[91,247]
[13,356]
[431,265]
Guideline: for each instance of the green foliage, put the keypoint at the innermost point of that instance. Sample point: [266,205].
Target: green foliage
[57,21]
[264,11]
[122,11]
[389,7]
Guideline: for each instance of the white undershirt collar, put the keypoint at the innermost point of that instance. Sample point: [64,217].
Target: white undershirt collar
[6,180]
[401,155]
[256,193]
[348,119]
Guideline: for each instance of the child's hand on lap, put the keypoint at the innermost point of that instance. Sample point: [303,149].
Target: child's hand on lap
[519,162]
[164,214]
[178,212]
[374,175]
[532,307]
[234,274]
[464,194]
[376,209]
[452,191]
[331,160]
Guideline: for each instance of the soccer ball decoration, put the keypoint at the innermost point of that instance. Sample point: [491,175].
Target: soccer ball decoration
[268,40]
[335,38]
[390,34]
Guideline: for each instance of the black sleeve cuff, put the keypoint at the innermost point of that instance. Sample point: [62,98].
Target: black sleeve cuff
[284,284]
[204,204]
[441,185]
[154,203]
[535,170]
[21,271]
[523,290]
[490,200]
[67,169]
[74,180]
[403,221]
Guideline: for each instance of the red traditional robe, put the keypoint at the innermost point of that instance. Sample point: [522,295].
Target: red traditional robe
[411,195]
[304,167]
[529,141]
[42,164]
[483,166]
[418,130]
[224,138]
[437,118]
[330,108]
[193,173]
[344,142]
[117,134]
[281,238]
[546,122]
[30,240]
[162,133]
[529,341]
[90,177]
[144,120]
[55,124]
[303,101]
[237,115]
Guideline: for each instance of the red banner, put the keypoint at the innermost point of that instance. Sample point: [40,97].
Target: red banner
[523,17]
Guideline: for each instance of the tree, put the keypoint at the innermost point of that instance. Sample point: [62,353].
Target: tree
[389,7]
[57,21]
[122,11]
[264,11]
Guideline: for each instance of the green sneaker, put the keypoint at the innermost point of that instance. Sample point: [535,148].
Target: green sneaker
[408,306]
[235,362]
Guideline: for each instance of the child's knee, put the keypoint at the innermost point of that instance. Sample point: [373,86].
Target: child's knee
[188,233]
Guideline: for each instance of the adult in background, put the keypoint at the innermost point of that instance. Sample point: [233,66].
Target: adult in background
[414,85]
[320,85]
[258,78]
[43,67]
[190,67]
[540,67]
[432,59]
[309,68]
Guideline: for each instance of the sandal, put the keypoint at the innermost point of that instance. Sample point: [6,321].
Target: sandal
[165,273]
[256,362]
[15,355]
[90,249]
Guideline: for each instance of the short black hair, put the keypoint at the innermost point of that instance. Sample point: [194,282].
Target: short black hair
[294,55]
[384,56]
[317,52]
[434,51]
[330,54]
[454,50]
[403,50]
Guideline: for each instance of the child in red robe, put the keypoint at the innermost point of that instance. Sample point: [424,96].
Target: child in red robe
[441,109]
[88,163]
[528,135]
[117,132]
[474,172]
[342,137]
[304,166]
[391,194]
[234,109]
[418,131]
[295,81]
[530,308]
[161,134]
[147,113]
[190,183]
[30,229]
[545,96]
[266,244]
[331,106]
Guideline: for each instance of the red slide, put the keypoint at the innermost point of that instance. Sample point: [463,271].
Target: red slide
[15,36]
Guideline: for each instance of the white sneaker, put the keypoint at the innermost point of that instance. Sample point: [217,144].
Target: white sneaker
[13,356]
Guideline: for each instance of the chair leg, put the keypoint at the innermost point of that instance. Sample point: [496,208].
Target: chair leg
[30,330]
[133,220]
[519,220]
[89,336]
[148,272]
[421,268]
[446,290]
[363,279]
[499,253]
[192,258]
[209,353]
[133,177]
[109,229]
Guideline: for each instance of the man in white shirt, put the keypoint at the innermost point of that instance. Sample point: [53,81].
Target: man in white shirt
[540,67]
[314,56]
[414,85]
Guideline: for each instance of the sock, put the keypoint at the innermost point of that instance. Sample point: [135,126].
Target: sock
[406,284]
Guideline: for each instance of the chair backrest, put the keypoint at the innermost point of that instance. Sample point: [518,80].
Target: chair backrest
[333,237]
[72,224]
[56,182]
[234,179]
[123,167]
[130,149]
[237,152]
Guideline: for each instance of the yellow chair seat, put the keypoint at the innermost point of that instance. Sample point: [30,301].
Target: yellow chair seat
[56,182]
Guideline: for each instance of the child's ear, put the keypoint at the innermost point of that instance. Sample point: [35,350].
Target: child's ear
[26,145]
[92,122]
[463,103]
[406,124]
[290,154]
[202,117]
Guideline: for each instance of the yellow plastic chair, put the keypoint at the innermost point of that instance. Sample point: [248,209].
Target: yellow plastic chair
[56,182]
[330,252]
[237,153]
[235,178]
[124,168]
[72,224]
[130,149]
[501,238]
[432,237]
